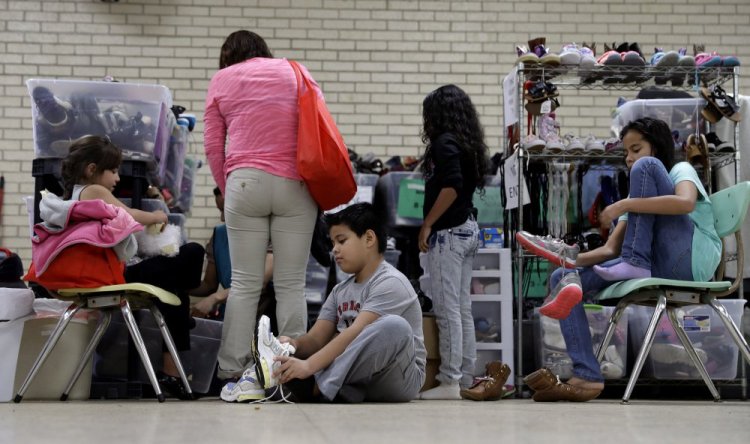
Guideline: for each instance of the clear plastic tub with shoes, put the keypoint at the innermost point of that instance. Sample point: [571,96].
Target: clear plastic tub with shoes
[130,114]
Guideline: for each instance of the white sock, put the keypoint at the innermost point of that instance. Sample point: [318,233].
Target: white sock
[443,391]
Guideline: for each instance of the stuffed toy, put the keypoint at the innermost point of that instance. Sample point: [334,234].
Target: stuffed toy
[159,239]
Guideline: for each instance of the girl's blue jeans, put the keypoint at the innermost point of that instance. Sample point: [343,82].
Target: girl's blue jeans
[662,243]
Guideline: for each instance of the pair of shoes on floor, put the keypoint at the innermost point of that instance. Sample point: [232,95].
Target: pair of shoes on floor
[489,387]
[173,385]
[548,388]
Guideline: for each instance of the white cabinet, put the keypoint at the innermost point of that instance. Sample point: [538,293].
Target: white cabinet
[492,308]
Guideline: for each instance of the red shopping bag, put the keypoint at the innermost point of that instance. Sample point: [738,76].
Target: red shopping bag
[322,157]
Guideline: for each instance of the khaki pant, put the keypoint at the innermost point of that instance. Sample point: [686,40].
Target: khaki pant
[260,207]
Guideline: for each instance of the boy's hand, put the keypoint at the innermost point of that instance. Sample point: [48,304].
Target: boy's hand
[291,368]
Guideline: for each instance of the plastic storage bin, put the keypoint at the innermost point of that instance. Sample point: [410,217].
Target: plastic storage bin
[130,114]
[365,191]
[187,185]
[400,196]
[21,341]
[487,318]
[550,344]
[682,115]
[668,358]
[172,164]
[316,282]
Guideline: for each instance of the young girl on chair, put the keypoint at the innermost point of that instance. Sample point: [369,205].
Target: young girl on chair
[665,229]
[90,171]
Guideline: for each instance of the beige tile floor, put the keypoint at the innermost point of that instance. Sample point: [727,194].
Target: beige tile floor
[433,422]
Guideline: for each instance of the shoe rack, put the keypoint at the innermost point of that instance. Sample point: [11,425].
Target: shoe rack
[603,78]
[492,308]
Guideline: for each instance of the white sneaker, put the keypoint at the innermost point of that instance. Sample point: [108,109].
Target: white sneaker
[532,143]
[674,354]
[593,145]
[265,348]
[246,389]
[573,144]
[442,392]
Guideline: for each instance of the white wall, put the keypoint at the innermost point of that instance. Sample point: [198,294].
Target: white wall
[374,59]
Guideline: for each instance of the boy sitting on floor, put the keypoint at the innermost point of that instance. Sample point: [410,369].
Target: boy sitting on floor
[378,354]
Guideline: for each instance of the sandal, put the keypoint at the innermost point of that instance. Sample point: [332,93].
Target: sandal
[721,103]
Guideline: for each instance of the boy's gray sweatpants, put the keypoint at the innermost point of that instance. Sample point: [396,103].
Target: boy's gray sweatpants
[379,365]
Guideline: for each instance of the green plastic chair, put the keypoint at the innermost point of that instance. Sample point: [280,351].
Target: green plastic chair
[730,208]
[123,297]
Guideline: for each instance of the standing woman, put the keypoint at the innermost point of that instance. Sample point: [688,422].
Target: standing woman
[252,101]
[454,165]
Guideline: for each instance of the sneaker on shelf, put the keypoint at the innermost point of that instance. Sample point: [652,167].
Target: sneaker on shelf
[613,146]
[526,57]
[573,144]
[550,248]
[566,295]
[588,62]
[662,63]
[570,55]
[265,348]
[719,145]
[553,144]
[533,144]
[593,145]
[245,389]
[685,67]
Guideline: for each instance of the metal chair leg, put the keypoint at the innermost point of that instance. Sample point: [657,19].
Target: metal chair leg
[611,327]
[127,314]
[737,336]
[62,324]
[170,346]
[692,353]
[100,329]
[661,304]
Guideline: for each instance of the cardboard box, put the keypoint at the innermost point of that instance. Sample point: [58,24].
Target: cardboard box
[430,331]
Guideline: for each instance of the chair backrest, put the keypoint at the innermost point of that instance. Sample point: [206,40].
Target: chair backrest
[730,208]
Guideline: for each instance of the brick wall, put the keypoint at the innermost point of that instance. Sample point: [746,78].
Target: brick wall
[374,59]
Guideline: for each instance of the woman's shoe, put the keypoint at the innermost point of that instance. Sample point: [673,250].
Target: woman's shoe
[548,388]
[490,386]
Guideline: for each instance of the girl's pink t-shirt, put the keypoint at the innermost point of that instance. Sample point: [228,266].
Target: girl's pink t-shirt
[254,103]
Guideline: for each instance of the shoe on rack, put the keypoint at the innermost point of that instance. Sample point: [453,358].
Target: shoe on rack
[613,146]
[526,57]
[265,348]
[247,388]
[532,143]
[570,55]
[173,385]
[489,387]
[661,63]
[547,247]
[548,388]
[573,144]
[567,294]
[685,66]
[586,68]
[593,145]
[719,145]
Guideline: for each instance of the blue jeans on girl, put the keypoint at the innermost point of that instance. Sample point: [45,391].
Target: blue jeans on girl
[662,243]
[450,257]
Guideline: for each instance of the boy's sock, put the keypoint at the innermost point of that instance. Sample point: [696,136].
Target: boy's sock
[443,391]
[622,271]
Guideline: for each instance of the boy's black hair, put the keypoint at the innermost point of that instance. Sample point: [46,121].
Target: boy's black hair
[658,135]
[359,218]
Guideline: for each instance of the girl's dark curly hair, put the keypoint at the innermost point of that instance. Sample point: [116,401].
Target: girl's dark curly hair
[448,109]
[84,151]
[658,135]
[242,45]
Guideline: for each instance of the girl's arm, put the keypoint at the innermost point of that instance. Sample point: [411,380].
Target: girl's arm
[209,284]
[444,200]
[95,191]
[610,250]
[682,202]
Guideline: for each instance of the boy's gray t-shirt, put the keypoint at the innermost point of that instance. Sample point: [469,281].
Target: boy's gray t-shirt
[386,292]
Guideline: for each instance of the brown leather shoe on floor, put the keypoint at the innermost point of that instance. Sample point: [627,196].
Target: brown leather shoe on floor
[548,388]
[490,387]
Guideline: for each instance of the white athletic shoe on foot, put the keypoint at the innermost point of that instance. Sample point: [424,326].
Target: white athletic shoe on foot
[245,389]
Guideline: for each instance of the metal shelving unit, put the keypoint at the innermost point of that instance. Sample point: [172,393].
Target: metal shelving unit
[605,78]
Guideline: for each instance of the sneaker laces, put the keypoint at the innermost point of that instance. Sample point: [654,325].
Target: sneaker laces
[269,399]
